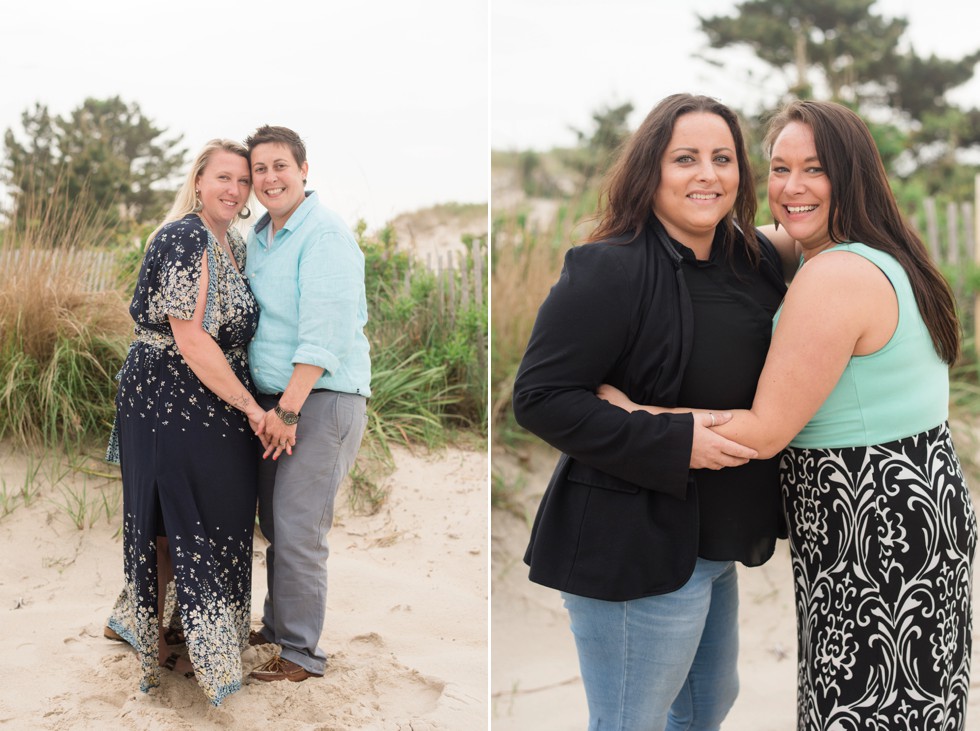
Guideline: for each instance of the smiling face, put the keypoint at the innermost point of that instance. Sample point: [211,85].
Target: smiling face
[278,180]
[799,189]
[699,180]
[223,187]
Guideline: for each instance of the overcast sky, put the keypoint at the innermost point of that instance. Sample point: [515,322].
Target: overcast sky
[553,62]
[389,96]
[397,100]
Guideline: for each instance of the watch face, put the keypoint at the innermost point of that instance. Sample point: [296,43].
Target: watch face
[288,417]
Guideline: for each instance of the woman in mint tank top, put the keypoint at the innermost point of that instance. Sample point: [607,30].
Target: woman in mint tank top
[881,524]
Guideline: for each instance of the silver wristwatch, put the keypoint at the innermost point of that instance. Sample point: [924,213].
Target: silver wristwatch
[288,417]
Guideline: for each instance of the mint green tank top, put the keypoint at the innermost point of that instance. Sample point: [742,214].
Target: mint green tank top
[900,390]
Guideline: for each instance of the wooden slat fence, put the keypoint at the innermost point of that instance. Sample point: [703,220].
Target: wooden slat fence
[460,277]
[92,267]
[951,232]
[461,283]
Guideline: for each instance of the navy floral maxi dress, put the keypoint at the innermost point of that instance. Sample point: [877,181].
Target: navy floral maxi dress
[188,460]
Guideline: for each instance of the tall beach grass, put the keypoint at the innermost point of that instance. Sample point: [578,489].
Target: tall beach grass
[61,343]
[526,260]
[428,361]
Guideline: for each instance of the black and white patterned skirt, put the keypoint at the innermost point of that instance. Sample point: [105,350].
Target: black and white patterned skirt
[882,541]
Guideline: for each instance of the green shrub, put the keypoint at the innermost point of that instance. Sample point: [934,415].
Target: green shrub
[415,323]
[61,345]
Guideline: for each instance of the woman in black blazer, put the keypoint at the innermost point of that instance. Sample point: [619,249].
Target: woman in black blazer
[671,300]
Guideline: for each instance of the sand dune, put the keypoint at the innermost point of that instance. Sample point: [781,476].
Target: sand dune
[535,682]
[406,624]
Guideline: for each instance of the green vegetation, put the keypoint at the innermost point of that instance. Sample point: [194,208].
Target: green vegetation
[505,494]
[429,322]
[25,492]
[428,334]
[844,51]
[62,344]
[836,49]
[106,149]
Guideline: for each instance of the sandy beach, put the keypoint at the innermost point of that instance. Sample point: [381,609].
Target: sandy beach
[405,631]
[535,683]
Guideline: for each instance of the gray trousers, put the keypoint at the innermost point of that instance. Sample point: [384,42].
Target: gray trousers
[296,505]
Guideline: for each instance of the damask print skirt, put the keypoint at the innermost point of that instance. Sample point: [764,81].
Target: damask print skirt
[882,540]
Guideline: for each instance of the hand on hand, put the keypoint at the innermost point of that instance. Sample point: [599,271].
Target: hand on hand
[712,451]
[256,419]
[276,436]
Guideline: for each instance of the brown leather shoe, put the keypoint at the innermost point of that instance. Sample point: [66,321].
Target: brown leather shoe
[279,668]
[257,639]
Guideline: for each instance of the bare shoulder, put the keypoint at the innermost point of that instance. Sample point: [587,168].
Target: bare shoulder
[844,265]
[840,279]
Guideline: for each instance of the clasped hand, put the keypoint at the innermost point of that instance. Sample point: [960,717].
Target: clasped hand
[276,436]
[709,450]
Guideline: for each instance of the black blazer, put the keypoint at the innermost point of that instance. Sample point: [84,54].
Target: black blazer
[619,519]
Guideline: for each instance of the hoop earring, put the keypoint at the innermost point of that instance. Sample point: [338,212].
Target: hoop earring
[198,206]
[244,213]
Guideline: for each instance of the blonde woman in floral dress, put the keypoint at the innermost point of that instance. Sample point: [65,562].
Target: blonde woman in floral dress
[184,436]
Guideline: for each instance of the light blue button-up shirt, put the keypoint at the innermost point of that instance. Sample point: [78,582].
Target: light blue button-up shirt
[309,283]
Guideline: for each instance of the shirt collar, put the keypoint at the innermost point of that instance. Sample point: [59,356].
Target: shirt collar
[687,254]
[299,215]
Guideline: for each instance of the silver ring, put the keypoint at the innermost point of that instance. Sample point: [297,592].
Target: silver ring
[283,442]
[712,415]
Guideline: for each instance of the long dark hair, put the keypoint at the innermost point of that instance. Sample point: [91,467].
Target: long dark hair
[626,197]
[863,209]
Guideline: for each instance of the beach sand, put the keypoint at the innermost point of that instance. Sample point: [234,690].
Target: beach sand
[405,630]
[535,682]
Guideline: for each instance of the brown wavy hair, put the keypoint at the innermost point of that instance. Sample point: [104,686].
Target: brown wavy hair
[863,208]
[278,135]
[626,196]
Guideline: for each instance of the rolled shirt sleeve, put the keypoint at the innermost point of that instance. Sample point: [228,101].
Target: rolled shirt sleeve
[331,276]
[309,283]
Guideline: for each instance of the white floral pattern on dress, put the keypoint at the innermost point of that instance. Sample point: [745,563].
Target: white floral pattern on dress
[882,541]
[173,430]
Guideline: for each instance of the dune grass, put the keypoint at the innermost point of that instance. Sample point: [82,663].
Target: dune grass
[526,261]
[61,345]
[428,363]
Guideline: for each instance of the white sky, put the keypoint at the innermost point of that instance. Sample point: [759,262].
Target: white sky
[389,96]
[553,62]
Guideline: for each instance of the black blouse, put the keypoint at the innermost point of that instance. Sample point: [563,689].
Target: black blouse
[739,507]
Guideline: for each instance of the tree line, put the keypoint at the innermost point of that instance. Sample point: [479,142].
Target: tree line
[108,156]
[839,50]
[105,156]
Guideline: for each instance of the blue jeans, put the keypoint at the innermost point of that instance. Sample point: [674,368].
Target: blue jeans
[661,662]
